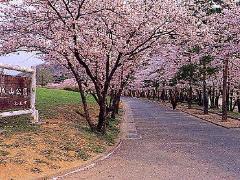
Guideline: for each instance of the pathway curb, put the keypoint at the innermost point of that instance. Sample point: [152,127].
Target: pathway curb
[87,166]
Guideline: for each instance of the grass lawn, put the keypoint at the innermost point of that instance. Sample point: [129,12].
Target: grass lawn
[63,141]
[49,99]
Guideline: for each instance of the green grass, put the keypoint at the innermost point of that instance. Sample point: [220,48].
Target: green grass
[18,124]
[54,97]
[80,153]
[235,114]
[49,99]
[112,131]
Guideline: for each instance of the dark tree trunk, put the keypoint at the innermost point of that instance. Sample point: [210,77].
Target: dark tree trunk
[148,94]
[228,97]
[83,97]
[158,95]
[231,106]
[224,91]
[238,105]
[85,107]
[216,101]
[134,94]
[199,94]
[115,104]
[181,98]
[163,95]
[173,98]
[212,99]
[154,94]
[190,96]
[205,98]
[101,127]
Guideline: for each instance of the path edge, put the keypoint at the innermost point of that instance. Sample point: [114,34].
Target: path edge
[193,115]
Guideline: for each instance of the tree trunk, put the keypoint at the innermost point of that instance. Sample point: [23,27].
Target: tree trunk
[85,106]
[158,95]
[228,97]
[224,91]
[231,106]
[216,101]
[173,98]
[190,96]
[115,104]
[212,99]
[101,127]
[238,104]
[205,97]
[163,95]
[83,97]
[199,93]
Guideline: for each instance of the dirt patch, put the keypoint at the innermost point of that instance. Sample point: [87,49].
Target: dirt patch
[60,143]
[211,117]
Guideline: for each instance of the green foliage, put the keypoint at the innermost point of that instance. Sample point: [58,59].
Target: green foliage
[110,136]
[188,72]
[82,154]
[54,97]
[205,66]
[173,81]
[67,146]
[206,59]
[60,78]
[195,49]
[193,72]
[213,11]
[96,148]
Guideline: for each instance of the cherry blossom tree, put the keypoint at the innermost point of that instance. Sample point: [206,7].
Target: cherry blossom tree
[96,37]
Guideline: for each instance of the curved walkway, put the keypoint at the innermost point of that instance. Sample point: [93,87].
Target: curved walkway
[163,144]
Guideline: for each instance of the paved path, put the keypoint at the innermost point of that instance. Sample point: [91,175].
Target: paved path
[165,144]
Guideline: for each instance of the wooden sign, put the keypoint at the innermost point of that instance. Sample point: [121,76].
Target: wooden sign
[15,92]
[18,94]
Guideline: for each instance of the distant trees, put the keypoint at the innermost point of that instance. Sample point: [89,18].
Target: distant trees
[188,73]
[206,71]
[44,76]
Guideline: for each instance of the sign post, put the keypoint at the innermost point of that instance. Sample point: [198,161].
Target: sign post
[18,94]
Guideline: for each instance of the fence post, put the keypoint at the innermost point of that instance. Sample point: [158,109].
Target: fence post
[33,97]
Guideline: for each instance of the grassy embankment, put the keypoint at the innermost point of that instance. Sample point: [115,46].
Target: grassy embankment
[62,142]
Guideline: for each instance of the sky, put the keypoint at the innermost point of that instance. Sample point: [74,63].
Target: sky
[22,59]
